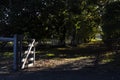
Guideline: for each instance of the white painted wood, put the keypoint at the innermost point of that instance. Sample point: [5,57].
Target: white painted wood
[34,56]
[32,52]
[30,65]
[26,58]
[23,59]
[31,59]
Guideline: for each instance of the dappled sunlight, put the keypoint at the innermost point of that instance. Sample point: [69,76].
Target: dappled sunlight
[107,58]
[50,55]
[105,61]
[82,45]
[91,44]
[8,54]
[5,66]
[6,62]
[62,48]
[74,58]
[94,40]
[85,49]
[63,64]
[60,39]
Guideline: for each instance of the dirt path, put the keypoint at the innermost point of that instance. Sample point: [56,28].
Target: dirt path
[64,69]
[61,64]
[70,64]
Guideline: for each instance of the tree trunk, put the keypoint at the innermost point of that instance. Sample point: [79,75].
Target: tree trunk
[73,40]
[62,36]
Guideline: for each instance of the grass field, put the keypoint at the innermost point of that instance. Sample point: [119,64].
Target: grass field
[68,58]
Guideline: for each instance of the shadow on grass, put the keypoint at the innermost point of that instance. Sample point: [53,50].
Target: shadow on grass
[83,50]
[96,55]
[77,70]
[98,64]
[6,62]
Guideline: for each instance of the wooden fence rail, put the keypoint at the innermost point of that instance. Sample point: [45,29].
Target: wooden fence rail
[16,49]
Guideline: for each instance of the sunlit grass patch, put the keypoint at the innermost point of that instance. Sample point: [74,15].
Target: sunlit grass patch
[108,54]
[61,48]
[82,45]
[50,55]
[97,39]
[105,61]
[7,54]
[80,58]
[59,62]
[107,58]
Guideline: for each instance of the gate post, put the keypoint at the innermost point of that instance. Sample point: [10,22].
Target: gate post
[17,52]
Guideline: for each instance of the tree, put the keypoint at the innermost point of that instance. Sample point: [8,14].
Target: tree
[58,19]
[111,22]
[88,21]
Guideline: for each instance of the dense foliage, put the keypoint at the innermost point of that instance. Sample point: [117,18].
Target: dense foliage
[111,21]
[78,20]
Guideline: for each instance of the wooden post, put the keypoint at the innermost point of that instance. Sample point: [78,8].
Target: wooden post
[34,55]
[15,53]
[21,49]
[17,49]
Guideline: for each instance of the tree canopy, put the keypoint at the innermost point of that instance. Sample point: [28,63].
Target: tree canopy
[60,19]
[111,20]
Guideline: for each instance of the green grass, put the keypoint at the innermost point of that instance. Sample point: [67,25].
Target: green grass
[50,55]
[8,54]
